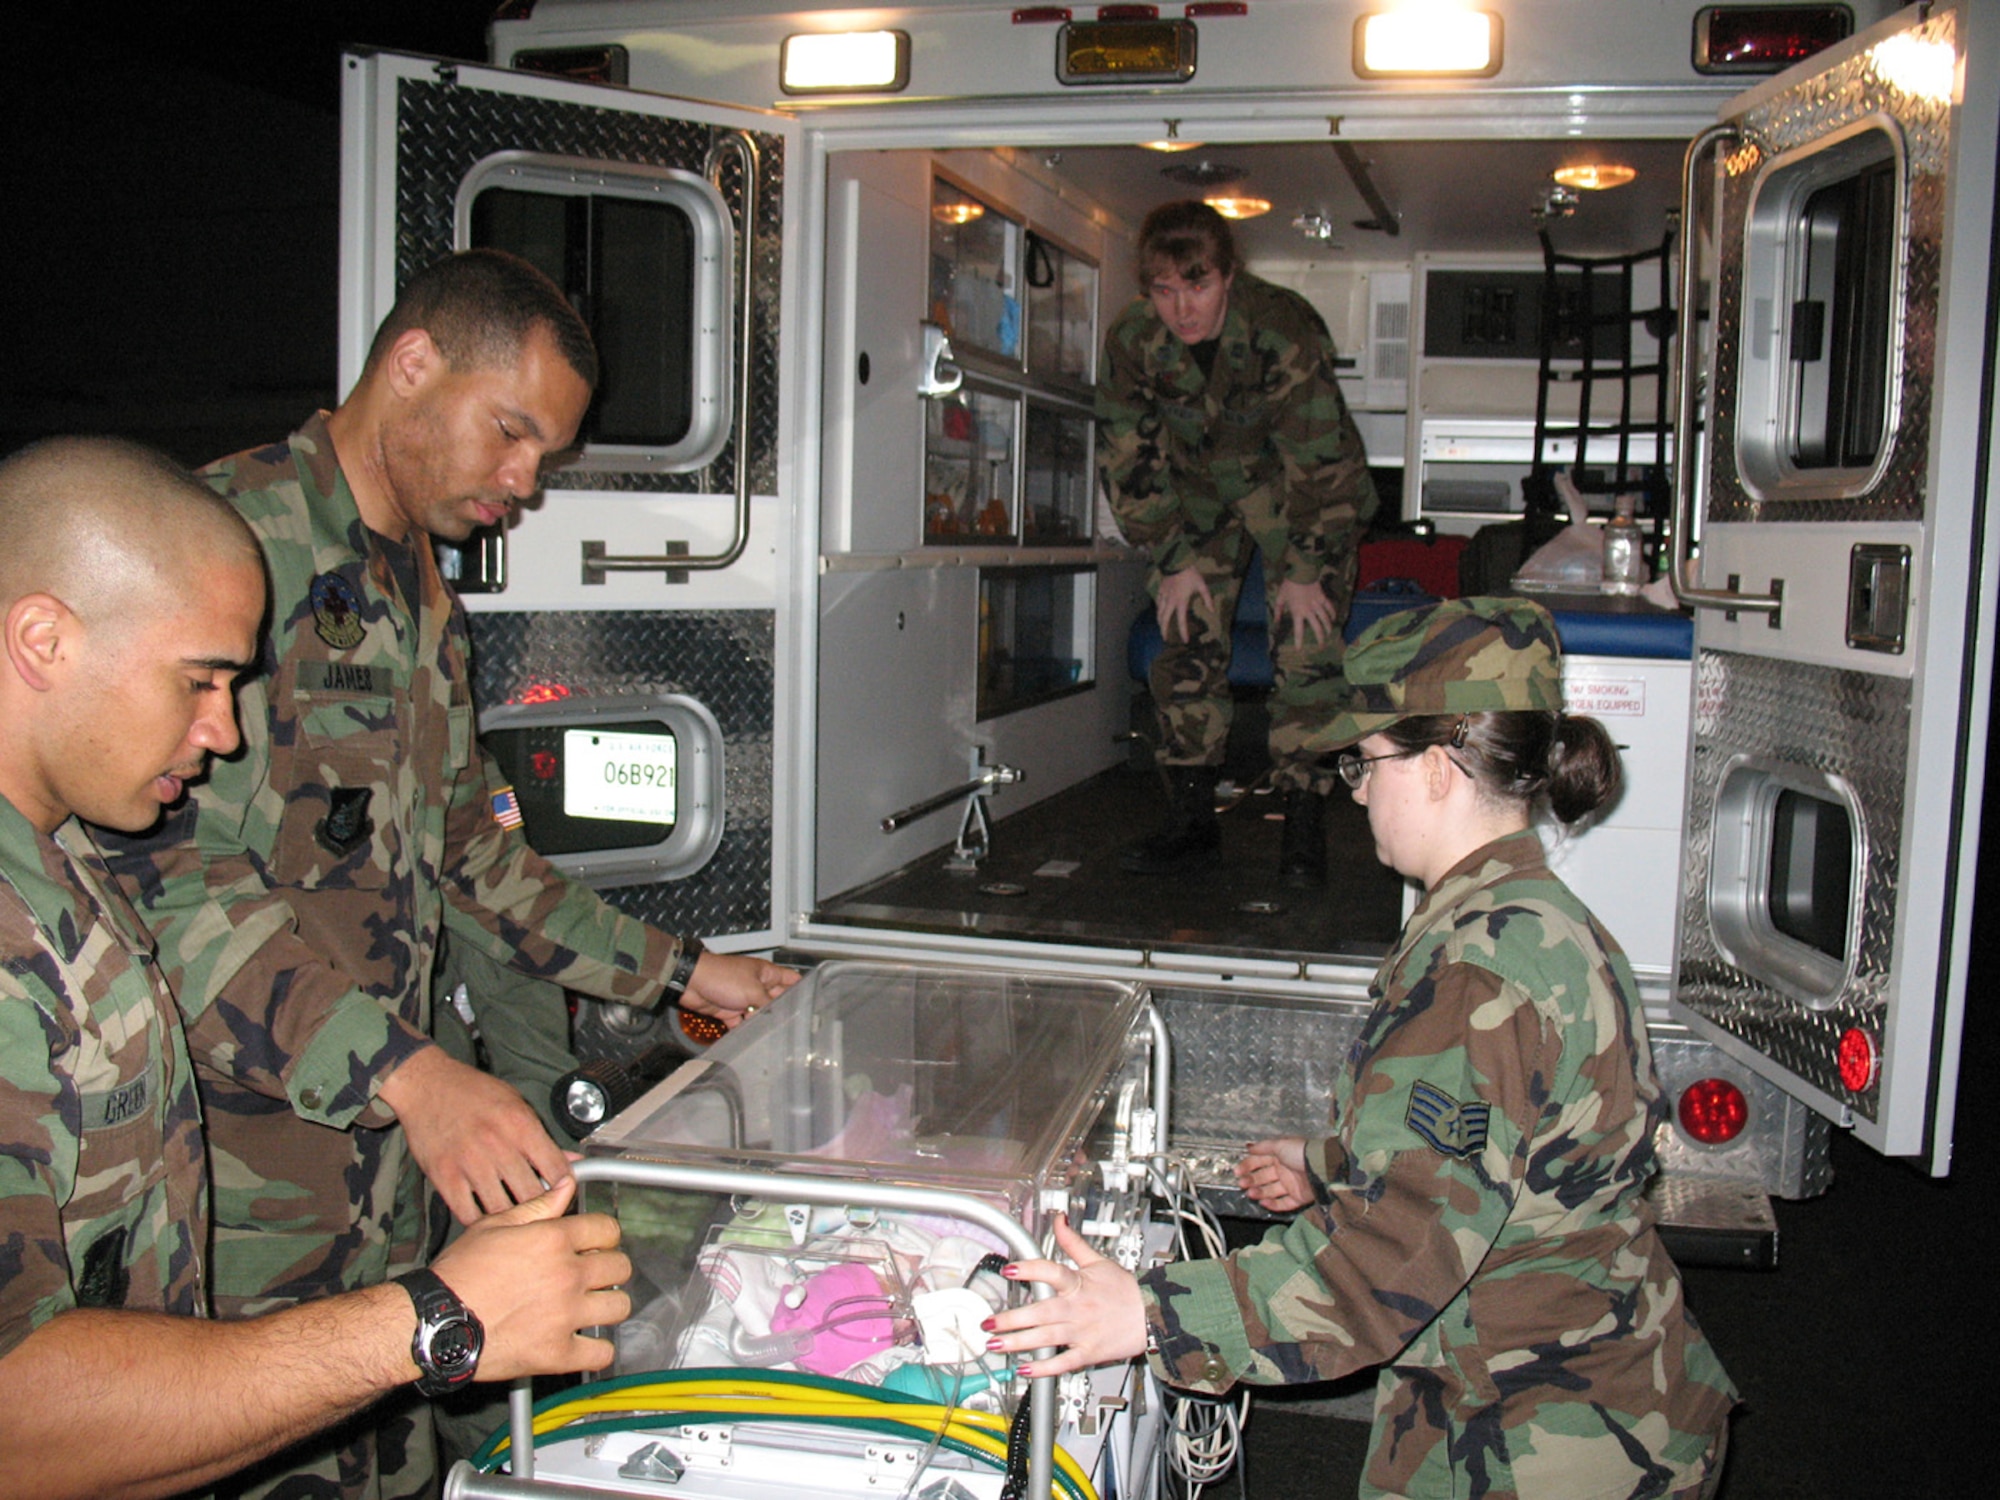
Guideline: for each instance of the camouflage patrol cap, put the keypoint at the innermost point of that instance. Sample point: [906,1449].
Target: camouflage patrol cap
[1458,657]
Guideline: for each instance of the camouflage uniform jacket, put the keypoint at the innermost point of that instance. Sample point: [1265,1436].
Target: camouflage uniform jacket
[103,1184]
[299,894]
[1478,1229]
[1264,439]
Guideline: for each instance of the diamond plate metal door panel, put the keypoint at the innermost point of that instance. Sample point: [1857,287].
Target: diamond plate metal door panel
[724,659]
[1839,594]
[1856,92]
[1850,727]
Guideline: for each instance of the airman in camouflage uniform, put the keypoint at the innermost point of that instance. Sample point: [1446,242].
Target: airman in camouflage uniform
[103,1184]
[1479,1232]
[1473,1223]
[1207,455]
[362,808]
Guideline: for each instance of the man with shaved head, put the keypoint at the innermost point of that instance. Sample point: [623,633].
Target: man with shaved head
[130,601]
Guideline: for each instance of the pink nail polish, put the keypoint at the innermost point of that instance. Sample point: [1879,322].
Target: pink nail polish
[1011,1272]
[993,1346]
[988,1326]
[1024,1372]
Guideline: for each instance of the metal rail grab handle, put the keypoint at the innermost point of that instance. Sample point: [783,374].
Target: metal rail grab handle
[677,565]
[1680,573]
[985,781]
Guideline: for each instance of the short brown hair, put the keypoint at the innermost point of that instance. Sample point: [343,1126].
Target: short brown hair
[479,306]
[1189,236]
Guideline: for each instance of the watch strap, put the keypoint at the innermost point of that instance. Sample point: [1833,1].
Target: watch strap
[683,974]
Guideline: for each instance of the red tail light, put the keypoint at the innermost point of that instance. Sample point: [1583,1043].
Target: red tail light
[1713,1111]
[1859,1058]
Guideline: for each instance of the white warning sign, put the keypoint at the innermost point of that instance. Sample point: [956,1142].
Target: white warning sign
[1606,697]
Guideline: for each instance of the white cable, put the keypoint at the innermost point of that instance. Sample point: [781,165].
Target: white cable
[1206,1434]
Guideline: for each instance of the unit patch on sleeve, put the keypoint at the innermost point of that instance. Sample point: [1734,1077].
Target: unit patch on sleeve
[336,612]
[1447,1126]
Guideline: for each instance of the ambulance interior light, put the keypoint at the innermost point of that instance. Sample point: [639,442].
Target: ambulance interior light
[1238,205]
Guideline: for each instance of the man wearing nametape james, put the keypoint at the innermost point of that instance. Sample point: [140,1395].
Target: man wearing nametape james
[1221,427]
[363,807]
[130,601]
[1473,1223]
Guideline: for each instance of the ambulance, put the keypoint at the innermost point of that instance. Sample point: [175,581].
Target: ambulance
[819,644]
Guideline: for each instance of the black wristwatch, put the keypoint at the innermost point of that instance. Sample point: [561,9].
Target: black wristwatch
[683,975]
[449,1336]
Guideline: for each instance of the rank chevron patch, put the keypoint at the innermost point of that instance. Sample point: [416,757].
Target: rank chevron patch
[1449,1127]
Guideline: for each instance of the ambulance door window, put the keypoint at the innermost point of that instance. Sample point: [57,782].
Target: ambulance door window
[643,257]
[1840,329]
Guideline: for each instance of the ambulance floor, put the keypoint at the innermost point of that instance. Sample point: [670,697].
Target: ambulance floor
[1053,876]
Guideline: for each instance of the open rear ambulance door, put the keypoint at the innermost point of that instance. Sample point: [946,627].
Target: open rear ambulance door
[630,629]
[1840,503]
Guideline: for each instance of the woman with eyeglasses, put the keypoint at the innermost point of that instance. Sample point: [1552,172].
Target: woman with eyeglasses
[1472,1223]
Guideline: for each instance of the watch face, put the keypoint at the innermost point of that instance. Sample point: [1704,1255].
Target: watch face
[453,1346]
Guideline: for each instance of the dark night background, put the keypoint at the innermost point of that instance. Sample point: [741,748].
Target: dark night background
[171,195]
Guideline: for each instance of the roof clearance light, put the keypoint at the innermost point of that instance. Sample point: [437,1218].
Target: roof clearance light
[1238,207]
[1428,39]
[1923,70]
[1713,1111]
[1106,51]
[1765,38]
[1859,1060]
[1594,176]
[845,62]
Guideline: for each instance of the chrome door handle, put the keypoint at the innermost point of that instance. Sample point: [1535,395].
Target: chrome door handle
[1680,570]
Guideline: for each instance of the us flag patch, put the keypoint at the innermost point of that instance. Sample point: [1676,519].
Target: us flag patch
[506,808]
[1449,1127]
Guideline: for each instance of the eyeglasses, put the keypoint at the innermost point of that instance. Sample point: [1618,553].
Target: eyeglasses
[1354,768]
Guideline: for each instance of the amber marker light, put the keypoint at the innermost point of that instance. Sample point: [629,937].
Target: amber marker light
[845,62]
[1713,1111]
[699,1028]
[1427,39]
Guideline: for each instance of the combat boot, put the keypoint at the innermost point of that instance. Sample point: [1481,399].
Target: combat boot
[1302,855]
[1191,838]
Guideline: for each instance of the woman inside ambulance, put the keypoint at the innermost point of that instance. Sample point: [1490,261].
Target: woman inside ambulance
[1472,1224]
